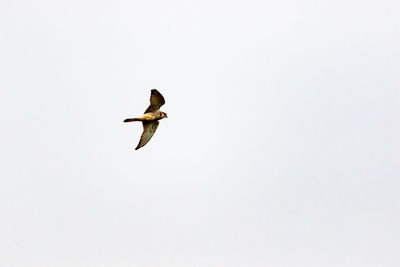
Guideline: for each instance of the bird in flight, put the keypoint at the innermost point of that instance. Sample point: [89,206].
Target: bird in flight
[150,117]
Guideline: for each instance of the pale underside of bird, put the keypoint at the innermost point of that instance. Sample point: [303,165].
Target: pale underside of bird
[150,118]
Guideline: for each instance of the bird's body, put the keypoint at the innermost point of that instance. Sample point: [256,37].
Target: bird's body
[150,117]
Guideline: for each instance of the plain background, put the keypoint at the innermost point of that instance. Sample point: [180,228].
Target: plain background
[281,147]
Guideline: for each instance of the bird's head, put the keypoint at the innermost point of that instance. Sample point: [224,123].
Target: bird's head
[163,115]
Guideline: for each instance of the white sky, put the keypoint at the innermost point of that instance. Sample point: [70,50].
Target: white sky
[281,147]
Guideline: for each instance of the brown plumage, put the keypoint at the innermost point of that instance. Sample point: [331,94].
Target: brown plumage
[150,117]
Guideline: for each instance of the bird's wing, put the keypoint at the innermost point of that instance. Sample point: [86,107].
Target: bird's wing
[156,101]
[149,128]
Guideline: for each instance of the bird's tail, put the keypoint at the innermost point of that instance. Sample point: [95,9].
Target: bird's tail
[132,119]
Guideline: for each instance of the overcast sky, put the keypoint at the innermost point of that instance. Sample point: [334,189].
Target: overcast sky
[281,146]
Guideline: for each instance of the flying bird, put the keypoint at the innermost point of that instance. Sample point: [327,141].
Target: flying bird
[150,117]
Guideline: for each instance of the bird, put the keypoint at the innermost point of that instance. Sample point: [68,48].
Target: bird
[150,118]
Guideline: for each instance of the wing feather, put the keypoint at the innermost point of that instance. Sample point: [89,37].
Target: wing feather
[149,128]
[156,101]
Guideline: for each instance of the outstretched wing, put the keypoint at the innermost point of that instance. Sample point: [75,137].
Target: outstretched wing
[156,101]
[149,128]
